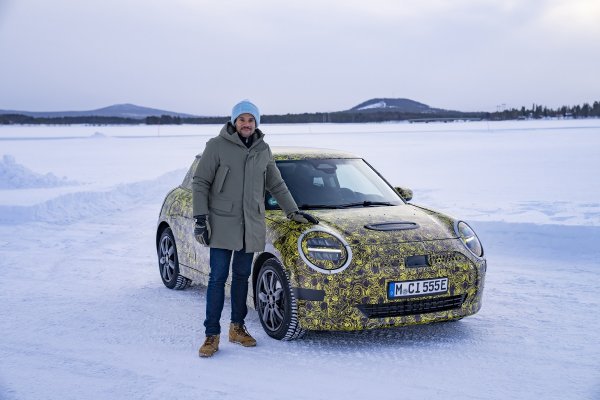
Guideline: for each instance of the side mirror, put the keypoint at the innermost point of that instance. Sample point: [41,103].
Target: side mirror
[405,193]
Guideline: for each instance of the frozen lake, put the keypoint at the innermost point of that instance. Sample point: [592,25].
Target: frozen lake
[85,314]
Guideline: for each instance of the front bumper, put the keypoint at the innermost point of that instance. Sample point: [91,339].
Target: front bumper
[356,298]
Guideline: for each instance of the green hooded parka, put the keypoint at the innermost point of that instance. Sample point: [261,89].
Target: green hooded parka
[229,186]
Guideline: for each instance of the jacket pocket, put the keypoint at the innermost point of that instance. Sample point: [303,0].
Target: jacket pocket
[222,205]
[220,177]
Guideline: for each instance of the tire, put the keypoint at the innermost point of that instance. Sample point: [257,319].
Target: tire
[168,264]
[276,304]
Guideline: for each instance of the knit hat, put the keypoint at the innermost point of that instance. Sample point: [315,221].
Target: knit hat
[243,107]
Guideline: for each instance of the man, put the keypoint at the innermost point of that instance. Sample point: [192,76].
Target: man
[229,186]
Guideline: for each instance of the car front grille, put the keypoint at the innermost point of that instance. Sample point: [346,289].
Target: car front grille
[411,307]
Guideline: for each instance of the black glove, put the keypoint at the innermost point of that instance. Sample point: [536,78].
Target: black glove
[302,217]
[202,229]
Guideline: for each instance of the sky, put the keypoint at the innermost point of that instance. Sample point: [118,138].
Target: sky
[201,57]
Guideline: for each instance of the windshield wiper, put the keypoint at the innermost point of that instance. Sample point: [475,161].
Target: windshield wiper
[366,203]
[315,206]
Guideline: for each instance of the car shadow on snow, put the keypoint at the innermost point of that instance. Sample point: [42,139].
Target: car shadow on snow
[380,348]
[408,336]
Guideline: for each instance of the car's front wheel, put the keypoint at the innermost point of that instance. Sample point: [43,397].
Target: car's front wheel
[276,304]
[168,264]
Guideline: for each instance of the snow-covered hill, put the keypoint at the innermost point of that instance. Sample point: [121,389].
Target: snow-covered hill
[116,110]
[391,104]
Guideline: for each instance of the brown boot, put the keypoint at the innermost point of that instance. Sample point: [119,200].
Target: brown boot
[210,346]
[239,334]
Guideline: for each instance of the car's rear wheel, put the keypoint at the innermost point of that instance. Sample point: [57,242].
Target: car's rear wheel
[168,264]
[276,304]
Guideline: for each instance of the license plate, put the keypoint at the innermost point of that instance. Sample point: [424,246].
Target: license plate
[423,287]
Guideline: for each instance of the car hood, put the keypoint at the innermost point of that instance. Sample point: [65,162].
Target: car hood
[391,224]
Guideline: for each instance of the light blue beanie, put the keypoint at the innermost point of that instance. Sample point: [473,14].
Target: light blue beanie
[243,107]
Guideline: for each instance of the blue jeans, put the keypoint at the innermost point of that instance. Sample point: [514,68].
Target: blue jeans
[215,294]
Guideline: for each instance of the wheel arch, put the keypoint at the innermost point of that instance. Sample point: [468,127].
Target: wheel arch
[289,322]
[159,230]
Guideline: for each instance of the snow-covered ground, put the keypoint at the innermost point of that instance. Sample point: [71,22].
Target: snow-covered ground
[85,314]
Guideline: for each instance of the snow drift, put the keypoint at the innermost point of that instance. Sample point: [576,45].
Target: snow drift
[16,176]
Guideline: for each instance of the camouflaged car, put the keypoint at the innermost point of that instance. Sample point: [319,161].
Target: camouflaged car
[375,260]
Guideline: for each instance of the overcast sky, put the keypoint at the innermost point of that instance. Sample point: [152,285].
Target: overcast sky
[201,57]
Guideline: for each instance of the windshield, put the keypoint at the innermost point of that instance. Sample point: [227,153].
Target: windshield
[334,183]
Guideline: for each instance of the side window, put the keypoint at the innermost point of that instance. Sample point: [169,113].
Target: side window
[271,203]
[187,181]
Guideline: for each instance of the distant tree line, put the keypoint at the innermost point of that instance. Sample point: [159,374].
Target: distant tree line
[8,119]
[372,115]
[169,120]
[538,111]
[365,116]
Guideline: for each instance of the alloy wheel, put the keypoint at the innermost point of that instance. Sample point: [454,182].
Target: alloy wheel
[167,258]
[271,300]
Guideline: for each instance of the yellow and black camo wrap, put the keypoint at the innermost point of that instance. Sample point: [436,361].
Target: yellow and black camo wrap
[176,213]
[303,153]
[375,262]
[377,257]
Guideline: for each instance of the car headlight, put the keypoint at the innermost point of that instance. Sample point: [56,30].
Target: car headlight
[469,238]
[324,251]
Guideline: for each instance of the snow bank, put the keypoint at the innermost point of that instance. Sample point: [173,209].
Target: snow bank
[17,176]
[98,135]
[71,207]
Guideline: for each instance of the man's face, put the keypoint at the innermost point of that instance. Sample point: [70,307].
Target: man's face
[245,125]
